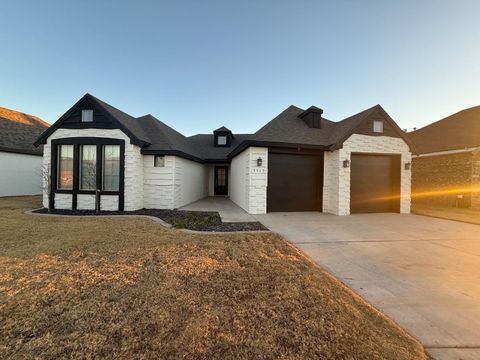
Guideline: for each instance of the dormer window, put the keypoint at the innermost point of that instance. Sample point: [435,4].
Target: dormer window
[87,115]
[222,140]
[222,137]
[378,126]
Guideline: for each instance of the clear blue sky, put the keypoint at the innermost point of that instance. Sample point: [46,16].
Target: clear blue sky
[198,65]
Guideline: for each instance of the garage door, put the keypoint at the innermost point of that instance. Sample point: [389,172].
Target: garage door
[375,183]
[294,182]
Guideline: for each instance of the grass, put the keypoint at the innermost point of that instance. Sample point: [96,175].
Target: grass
[445,212]
[128,288]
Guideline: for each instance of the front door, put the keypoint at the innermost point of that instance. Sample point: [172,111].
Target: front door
[221,180]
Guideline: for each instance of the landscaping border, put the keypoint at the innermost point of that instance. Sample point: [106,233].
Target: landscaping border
[152,218]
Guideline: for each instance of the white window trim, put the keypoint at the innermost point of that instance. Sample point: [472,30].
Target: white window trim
[223,137]
[155,157]
[378,123]
[84,115]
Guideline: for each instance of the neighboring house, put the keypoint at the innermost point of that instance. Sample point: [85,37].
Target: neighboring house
[20,161]
[299,161]
[447,169]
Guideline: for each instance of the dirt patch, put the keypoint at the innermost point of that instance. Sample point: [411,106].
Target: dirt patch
[128,288]
[180,219]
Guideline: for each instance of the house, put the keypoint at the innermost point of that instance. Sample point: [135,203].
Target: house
[447,168]
[299,161]
[20,161]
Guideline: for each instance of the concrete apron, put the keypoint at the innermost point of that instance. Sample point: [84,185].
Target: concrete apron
[424,273]
[228,210]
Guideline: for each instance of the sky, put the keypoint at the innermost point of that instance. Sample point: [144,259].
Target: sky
[198,65]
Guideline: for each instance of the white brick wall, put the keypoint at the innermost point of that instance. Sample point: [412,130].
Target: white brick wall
[158,192]
[63,201]
[179,183]
[109,202]
[86,202]
[336,190]
[190,181]
[133,163]
[248,182]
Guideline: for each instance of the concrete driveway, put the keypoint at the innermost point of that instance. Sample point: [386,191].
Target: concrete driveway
[422,272]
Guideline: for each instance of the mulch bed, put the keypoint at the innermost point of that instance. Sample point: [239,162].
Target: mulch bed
[191,220]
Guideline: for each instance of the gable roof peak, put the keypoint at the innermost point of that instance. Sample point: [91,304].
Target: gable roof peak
[223,128]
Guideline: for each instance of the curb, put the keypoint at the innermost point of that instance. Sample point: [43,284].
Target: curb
[152,218]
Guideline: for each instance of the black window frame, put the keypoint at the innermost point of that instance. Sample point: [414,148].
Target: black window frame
[75,191]
[80,159]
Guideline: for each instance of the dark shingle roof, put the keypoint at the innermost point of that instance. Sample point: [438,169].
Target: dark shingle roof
[458,131]
[126,120]
[164,138]
[286,129]
[206,149]
[223,128]
[18,132]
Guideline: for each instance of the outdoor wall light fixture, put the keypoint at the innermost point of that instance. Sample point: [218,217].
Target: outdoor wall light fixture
[346,163]
[259,162]
[407,166]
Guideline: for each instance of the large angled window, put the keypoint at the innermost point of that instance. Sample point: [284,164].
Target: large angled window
[111,167]
[65,167]
[88,167]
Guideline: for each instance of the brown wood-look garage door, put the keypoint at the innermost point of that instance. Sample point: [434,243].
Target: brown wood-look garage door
[374,183]
[295,182]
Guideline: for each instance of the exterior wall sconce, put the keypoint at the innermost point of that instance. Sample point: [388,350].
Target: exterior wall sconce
[346,163]
[259,162]
[408,165]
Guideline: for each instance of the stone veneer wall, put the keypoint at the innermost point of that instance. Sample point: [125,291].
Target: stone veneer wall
[336,189]
[248,182]
[133,167]
[438,179]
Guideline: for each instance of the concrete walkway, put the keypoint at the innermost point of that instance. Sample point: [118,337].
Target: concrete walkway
[228,210]
[422,272]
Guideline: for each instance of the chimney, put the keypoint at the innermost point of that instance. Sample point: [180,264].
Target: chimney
[312,117]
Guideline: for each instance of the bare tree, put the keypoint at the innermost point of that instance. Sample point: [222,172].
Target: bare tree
[89,181]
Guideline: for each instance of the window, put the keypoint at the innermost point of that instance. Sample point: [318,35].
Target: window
[159,161]
[87,115]
[65,167]
[222,140]
[111,167]
[88,167]
[378,126]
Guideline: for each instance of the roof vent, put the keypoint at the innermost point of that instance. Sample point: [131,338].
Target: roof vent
[312,117]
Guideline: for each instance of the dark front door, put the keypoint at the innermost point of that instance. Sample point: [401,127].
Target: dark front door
[221,180]
[295,182]
[375,183]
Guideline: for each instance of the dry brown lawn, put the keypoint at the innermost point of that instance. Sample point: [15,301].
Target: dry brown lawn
[127,288]
[458,214]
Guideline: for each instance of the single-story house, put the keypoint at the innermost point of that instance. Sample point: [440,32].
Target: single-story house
[299,161]
[20,161]
[446,170]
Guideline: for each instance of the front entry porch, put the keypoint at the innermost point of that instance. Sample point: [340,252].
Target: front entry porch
[228,210]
